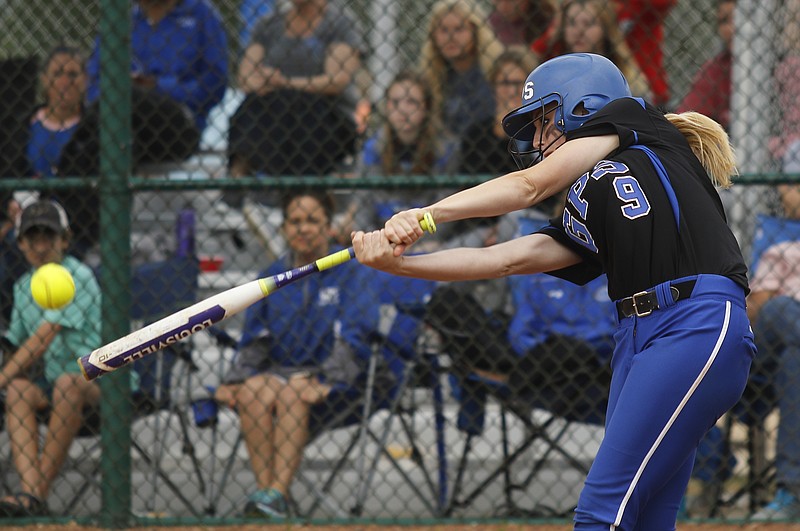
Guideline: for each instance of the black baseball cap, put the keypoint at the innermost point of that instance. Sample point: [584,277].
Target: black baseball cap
[43,213]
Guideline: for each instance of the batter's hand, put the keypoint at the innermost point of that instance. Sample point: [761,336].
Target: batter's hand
[373,249]
[403,229]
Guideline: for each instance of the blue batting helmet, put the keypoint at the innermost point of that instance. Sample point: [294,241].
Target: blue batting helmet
[571,80]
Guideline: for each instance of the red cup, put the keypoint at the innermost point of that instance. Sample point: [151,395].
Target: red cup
[211,264]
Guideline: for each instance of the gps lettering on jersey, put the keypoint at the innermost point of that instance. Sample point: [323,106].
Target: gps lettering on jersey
[627,189]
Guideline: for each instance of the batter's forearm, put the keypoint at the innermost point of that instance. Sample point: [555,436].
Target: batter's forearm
[450,265]
[493,198]
[525,188]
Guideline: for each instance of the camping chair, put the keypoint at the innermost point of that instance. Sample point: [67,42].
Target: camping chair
[158,289]
[760,397]
[570,383]
[373,393]
[345,407]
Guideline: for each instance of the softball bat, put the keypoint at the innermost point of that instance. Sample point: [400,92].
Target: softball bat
[196,318]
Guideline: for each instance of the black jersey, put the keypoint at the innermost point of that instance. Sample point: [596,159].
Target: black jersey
[637,226]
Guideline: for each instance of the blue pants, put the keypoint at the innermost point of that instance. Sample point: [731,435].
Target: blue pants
[676,371]
[778,339]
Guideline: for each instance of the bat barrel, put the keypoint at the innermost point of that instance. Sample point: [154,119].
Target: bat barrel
[171,329]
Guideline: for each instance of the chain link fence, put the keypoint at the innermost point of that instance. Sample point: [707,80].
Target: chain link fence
[240,138]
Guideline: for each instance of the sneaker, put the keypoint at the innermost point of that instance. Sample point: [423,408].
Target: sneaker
[22,505]
[268,503]
[784,506]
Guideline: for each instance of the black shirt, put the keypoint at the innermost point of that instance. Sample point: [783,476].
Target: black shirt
[483,152]
[621,220]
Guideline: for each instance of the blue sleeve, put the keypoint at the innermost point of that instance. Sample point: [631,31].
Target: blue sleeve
[93,73]
[370,157]
[205,87]
[525,330]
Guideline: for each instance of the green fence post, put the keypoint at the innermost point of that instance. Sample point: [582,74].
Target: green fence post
[115,168]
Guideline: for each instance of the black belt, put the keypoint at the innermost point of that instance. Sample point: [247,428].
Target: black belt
[645,302]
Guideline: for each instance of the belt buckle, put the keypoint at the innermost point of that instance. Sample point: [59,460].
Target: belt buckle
[636,308]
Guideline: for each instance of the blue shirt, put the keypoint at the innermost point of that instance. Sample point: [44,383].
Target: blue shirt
[304,318]
[187,52]
[45,146]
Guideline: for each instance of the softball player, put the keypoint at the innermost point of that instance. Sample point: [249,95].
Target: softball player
[642,208]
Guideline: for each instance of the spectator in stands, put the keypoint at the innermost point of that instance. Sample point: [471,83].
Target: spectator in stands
[524,23]
[591,26]
[179,70]
[39,370]
[484,148]
[456,56]
[63,83]
[179,49]
[298,74]
[63,80]
[787,81]
[710,92]
[642,23]
[774,309]
[296,346]
[556,324]
[408,140]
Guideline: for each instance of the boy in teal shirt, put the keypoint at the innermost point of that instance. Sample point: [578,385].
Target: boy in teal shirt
[40,372]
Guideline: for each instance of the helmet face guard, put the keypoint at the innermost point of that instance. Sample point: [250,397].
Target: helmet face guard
[526,146]
[580,83]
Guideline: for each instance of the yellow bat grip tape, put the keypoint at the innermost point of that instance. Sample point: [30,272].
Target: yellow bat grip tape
[427,223]
[333,260]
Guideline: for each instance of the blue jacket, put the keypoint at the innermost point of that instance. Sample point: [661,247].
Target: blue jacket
[187,52]
[303,319]
[547,305]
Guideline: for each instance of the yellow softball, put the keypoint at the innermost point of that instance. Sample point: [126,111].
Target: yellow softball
[52,286]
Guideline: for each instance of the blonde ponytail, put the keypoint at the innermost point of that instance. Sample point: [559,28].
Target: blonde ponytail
[710,144]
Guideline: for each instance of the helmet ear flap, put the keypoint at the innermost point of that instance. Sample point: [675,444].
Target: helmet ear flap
[579,110]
